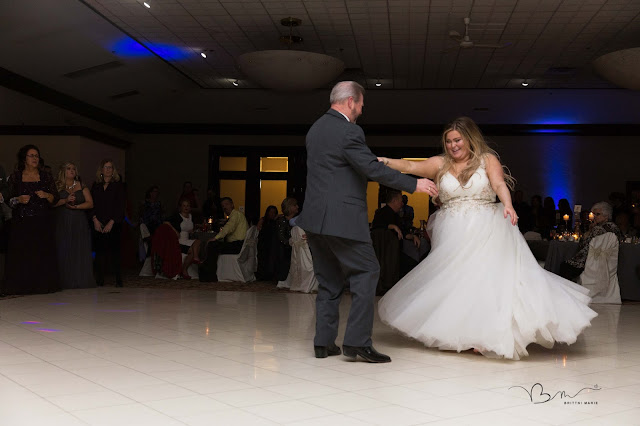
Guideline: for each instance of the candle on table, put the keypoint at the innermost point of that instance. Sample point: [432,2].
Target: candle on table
[591,216]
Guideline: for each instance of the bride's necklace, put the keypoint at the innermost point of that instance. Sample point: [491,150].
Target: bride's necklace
[74,184]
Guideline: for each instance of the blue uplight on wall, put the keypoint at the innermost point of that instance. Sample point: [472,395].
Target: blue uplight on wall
[129,47]
[559,171]
[555,121]
[556,130]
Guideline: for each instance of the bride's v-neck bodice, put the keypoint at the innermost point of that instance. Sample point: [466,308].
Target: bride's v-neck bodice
[475,193]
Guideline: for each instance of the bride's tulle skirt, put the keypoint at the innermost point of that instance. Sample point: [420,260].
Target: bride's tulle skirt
[480,287]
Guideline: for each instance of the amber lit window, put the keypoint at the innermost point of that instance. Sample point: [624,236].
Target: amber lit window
[274,164]
[233,164]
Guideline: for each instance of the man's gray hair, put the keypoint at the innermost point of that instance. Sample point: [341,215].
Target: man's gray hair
[343,90]
[605,208]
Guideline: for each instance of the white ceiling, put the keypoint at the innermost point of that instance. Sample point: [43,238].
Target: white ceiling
[400,42]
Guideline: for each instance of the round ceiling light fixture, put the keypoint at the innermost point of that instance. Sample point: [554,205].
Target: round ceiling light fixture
[621,68]
[290,70]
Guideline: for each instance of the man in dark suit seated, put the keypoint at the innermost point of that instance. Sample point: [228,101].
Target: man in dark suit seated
[228,241]
[387,236]
[387,217]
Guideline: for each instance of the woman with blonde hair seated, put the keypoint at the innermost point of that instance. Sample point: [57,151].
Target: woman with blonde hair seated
[182,224]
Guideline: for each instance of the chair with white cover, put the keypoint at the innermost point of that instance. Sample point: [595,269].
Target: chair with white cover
[301,276]
[600,273]
[241,267]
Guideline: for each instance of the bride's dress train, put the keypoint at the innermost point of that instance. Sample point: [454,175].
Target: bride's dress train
[480,287]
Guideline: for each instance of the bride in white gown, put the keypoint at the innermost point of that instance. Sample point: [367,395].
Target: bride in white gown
[480,287]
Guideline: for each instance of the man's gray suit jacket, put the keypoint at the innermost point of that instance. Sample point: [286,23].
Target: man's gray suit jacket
[338,165]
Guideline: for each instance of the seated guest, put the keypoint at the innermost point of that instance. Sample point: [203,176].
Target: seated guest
[522,210]
[283,231]
[228,241]
[151,210]
[191,194]
[211,206]
[266,244]
[407,214]
[623,220]
[602,211]
[182,224]
[549,217]
[564,208]
[618,203]
[535,216]
[387,217]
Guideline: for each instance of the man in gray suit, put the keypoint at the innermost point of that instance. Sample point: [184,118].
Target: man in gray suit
[336,221]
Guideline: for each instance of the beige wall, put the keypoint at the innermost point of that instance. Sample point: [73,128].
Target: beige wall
[86,153]
[169,160]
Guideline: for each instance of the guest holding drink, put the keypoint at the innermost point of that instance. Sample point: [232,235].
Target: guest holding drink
[73,235]
[108,214]
[31,256]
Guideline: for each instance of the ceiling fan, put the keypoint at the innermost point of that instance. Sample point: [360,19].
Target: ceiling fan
[465,42]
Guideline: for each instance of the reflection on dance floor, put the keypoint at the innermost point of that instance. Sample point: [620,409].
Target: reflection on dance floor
[172,357]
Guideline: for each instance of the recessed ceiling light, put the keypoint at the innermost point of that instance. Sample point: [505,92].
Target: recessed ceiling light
[204,55]
[378,84]
[146,5]
[235,83]
[525,83]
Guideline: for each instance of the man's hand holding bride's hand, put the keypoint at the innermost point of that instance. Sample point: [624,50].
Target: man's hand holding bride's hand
[509,211]
[426,185]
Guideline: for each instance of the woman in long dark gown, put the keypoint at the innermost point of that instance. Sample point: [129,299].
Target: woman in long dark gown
[32,266]
[73,235]
[108,214]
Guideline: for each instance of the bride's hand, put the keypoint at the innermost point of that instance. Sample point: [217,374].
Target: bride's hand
[509,211]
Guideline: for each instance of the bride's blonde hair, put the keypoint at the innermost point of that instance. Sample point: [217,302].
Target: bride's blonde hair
[478,150]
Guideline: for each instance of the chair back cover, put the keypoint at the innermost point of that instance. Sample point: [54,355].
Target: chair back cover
[600,273]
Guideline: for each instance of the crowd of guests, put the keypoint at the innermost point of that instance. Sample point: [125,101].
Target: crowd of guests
[54,222]
[230,224]
[619,216]
[544,218]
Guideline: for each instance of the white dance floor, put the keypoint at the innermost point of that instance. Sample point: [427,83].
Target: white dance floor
[187,357]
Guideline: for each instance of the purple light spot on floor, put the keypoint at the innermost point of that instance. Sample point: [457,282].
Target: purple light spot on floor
[49,330]
[30,322]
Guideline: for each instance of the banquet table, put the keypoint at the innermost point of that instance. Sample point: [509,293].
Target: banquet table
[628,264]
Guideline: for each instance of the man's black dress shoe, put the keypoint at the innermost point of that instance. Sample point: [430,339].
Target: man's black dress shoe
[325,351]
[366,352]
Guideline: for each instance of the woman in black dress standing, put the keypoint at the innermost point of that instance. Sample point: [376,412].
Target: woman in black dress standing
[31,256]
[73,235]
[108,214]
